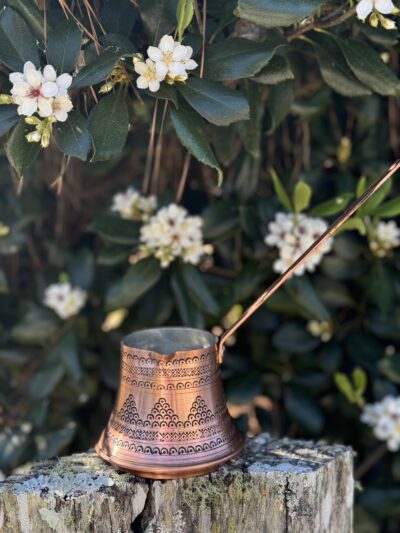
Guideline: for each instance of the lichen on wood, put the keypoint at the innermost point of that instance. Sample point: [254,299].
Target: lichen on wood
[273,486]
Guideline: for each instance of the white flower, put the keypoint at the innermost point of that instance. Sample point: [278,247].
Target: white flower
[292,235]
[130,204]
[168,61]
[384,237]
[172,58]
[384,418]
[149,77]
[376,8]
[61,106]
[34,91]
[172,234]
[64,299]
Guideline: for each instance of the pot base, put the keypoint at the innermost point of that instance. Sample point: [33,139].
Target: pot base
[157,471]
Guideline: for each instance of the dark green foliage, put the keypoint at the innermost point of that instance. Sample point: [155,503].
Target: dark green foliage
[284,117]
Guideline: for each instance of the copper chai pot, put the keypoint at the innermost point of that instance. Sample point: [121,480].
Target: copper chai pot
[170,418]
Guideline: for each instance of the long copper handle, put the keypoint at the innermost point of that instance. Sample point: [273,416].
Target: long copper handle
[288,273]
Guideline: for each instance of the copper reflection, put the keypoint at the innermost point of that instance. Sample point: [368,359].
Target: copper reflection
[170,418]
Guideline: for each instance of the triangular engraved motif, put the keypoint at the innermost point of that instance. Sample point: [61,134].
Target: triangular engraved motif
[162,415]
[200,413]
[129,413]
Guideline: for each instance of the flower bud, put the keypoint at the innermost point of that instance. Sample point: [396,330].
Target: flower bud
[6,99]
[4,230]
[33,137]
[46,135]
[374,20]
[388,24]
[33,121]
[106,88]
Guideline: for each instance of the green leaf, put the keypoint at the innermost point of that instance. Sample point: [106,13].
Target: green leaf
[361,186]
[390,368]
[216,103]
[72,136]
[17,44]
[191,315]
[371,205]
[276,71]
[66,351]
[118,16]
[108,126]
[220,219]
[42,383]
[331,207]
[368,67]
[8,117]
[253,127]
[20,153]
[301,196]
[32,16]
[198,291]
[280,101]
[98,69]
[280,191]
[188,127]
[159,17]
[237,58]
[272,14]
[304,409]
[345,386]
[51,444]
[81,269]
[360,380]
[184,15]
[334,68]
[115,229]
[389,209]
[36,327]
[301,290]
[63,45]
[138,279]
[354,223]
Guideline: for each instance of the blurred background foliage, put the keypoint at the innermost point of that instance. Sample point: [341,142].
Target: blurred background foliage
[323,110]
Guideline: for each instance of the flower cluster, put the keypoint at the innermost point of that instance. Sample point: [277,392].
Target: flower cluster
[171,234]
[43,93]
[322,329]
[64,299]
[292,234]
[384,418]
[168,61]
[130,204]
[375,10]
[384,237]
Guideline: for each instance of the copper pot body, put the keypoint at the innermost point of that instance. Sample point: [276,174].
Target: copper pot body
[170,418]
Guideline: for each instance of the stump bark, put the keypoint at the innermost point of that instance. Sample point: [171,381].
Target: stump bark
[274,486]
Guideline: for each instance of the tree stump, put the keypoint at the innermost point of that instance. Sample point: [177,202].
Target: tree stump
[273,486]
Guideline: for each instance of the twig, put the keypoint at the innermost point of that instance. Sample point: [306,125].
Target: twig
[150,152]
[158,151]
[183,178]
[328,24]
[370,461]
[203,38]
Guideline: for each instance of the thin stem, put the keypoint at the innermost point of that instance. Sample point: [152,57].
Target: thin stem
[203,38]
[158,152]
[370,461]
[150,152]
[183,178]
[320,25]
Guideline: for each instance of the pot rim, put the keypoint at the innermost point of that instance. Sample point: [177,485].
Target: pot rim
[127,343]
